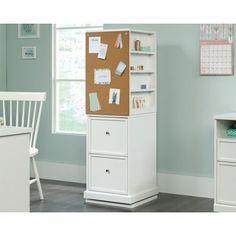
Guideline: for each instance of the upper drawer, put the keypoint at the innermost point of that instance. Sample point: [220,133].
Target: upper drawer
[108,136]
[226,150]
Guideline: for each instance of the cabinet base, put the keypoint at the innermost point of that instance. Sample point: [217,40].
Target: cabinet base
[224,208]
[121,205]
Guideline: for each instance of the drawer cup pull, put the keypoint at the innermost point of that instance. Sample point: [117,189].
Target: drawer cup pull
[107,133]
[107,171]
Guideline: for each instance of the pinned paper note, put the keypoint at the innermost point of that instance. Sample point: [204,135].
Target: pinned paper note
[102,51]
[114,96]
[102,76]
[118,43]
[94,103]
[94,44]
[120,68]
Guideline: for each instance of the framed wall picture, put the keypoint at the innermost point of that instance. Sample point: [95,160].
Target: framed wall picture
[29,52]
[28,31]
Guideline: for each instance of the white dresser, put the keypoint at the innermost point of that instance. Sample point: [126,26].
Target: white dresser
[121,138]
[121,163]
[14,169]
[225,163]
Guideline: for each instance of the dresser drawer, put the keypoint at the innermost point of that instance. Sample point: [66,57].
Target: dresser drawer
[226,183]
[226,150]
[108,136]
[107,174]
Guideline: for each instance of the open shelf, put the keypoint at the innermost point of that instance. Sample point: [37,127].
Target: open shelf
[142,53]
[141,72]
[142,90]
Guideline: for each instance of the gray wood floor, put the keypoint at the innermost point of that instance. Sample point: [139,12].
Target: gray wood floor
[68,197]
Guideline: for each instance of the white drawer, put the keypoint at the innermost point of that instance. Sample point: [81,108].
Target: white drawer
[107,174]
[226,150]
[226,183]
[108,136]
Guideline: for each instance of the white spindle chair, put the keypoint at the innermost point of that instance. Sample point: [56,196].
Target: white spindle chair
[23,109]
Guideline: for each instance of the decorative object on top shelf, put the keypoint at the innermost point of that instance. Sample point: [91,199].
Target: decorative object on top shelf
[137,45]
[28,31]
[138,102]
[216,49]
[28,52]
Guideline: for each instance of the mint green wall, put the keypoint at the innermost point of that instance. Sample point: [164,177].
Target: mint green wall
[186,102]
[2,57]
[36,75]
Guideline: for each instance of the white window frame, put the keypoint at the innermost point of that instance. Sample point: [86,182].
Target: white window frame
[54,79]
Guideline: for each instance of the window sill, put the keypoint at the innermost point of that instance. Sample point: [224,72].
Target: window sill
[69,133]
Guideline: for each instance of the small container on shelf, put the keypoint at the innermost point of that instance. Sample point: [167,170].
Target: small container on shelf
[137,45]
[231,132]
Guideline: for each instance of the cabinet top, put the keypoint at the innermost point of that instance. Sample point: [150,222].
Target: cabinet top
[130,30]
[226,116]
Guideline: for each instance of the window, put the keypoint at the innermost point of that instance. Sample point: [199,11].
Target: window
[69,83]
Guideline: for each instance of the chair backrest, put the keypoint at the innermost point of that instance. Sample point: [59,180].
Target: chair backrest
[22,109]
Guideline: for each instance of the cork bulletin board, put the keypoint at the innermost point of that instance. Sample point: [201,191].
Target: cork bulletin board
[114,55]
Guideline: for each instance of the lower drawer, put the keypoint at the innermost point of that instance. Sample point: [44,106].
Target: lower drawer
[226,183]
[107,174]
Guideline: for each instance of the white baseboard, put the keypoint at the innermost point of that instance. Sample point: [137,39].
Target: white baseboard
[168,183]
[186,185]
[61,171]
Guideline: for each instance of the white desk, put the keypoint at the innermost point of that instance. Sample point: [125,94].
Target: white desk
[14,169]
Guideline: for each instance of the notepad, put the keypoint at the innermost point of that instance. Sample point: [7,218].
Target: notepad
[103,51]
[94,44]
[102,76]
[94,103]
[120,68]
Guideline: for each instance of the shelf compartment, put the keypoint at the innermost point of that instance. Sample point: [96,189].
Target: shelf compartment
[142,90]
[142,53]
[141,72]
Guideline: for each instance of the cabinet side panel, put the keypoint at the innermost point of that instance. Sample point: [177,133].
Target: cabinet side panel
[142,153]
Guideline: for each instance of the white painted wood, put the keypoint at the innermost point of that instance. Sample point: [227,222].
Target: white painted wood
[226,179]
[107,174]
[120,198]
[22,96]
[224,163]
[14,170]
[186,185]
[16,108]
[61,171]
[226,149]
[126,146]
[142,153]
[107,136]
[148,61]
[120,205]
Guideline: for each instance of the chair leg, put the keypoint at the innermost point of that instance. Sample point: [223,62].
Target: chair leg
[37,178]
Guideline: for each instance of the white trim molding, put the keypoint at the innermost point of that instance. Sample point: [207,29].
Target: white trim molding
[61,171]
[168,183]
[186,185]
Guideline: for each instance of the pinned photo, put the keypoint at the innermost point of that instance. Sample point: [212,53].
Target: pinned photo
[114,96]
